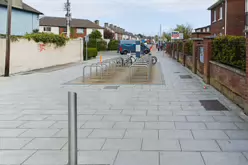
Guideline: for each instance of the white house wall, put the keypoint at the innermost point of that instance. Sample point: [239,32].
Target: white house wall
[54,30]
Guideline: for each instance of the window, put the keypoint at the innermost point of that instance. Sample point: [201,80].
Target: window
[47,29]
[221,13]
[208,29]
[215,15]
[204,30]
[80,31]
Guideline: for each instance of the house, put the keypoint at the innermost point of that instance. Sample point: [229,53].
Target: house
[228,17]
[79,27]
[25,18]
[118,32]
[201,32]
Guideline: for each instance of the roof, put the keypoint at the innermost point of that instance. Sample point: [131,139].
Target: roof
[209,26]
[25,7]
[61,22]
[216,4]
[116,30]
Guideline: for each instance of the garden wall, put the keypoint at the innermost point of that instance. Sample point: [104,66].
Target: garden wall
[29,55]
[229,81]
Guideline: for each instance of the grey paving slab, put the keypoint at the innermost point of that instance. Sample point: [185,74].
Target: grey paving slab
[10,124]
[159,125]
[39,133]
[215,158]
[108,112]
[190,125]
[9,117]
[64,124]
[209,134]
[172,118]
[199,145]
[11,132]
[96,157]
[134,112]
[81,133]
[137,157]
[46,144]
[175,134]
[13,143]
[48,158]
[144,118]
[228,119]
[14,156]
[233,145]
[243,126]
[90,117]
[159,113]
[32,117]
[122,144]
[88,144]
[221,126]
[107,133]
[238,134]
[129,125]
[150,134]
[98,124]
[160,145]
[185,113]
[57,117]
[200,118]
[116,118]
[181,158]
[37,124]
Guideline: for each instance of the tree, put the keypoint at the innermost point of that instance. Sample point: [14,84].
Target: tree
[108,34]
[166,36]
[185,29]
[95,35]
[156,38]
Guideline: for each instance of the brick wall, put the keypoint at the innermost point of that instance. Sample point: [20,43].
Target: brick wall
[236,17]
[74,35]
[181,57]
[200,34]
[189,62]
[217,27]
[228,81]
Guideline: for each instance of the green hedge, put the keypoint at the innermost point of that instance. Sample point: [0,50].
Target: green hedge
[113,45]
[100,45]
[188,48]
[46,38]
[230,50]
[92,53]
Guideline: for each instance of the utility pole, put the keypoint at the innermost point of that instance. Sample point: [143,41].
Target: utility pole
[8,35]
[68,16]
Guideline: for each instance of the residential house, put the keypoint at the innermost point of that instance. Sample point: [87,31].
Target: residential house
[202,32]
[25,18]
[78,27]
[203,29]
[118,32]
[228,17]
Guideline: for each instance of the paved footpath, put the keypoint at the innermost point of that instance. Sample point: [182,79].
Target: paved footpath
[133,125]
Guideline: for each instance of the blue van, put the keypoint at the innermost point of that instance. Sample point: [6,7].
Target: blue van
[127,46]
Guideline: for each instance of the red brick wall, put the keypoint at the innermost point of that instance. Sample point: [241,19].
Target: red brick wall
[200,35]
[236,17]
[74,35]
[228,81]
[189,62]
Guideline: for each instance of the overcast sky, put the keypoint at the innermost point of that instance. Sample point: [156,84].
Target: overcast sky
[137,16]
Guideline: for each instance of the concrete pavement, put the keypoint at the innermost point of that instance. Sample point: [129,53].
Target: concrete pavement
[133,125]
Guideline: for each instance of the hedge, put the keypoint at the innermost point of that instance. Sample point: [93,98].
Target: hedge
[113,45]
[92,53]
[230,50]
[188,48]
[46,38]
[100,45]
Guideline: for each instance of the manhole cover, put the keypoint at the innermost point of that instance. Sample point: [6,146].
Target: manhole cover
[111,87]
[185,77]
[213,105]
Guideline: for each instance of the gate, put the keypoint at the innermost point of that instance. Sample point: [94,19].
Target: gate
[200,60]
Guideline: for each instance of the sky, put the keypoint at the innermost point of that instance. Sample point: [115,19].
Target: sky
[136,16]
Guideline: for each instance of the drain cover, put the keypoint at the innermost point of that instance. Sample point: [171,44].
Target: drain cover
[185,77]
[213,105]
[111,87]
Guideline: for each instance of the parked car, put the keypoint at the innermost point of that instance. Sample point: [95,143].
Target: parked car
[127,46]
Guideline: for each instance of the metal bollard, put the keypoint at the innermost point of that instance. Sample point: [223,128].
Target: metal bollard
[72,128]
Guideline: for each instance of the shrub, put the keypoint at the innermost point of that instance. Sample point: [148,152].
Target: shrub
[101,45]
[92,53]
[230,50]
[188,48]
[180,46]
[46,38]
[113,45]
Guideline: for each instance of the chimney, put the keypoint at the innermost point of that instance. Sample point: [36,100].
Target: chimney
[115,27]
[111,26]
[17,4]
[105,25]
[97,22]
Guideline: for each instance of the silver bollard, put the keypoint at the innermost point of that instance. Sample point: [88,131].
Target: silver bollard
[72,128]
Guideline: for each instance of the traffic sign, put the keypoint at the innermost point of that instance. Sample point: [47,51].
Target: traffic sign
[87,38]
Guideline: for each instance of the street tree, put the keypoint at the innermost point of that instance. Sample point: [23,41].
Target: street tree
[166,36]
[108,34]
[95,35]
[185,29]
